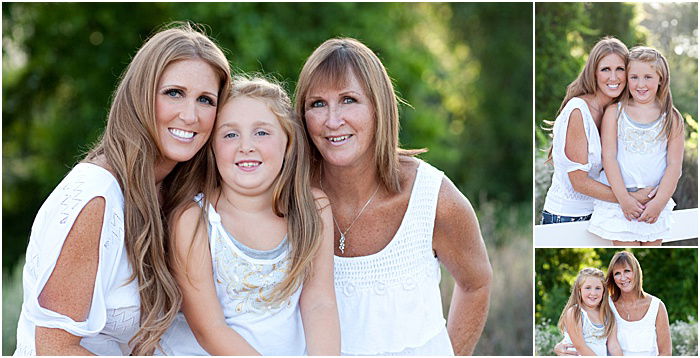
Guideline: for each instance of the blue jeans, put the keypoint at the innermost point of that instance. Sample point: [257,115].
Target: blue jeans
[549,218]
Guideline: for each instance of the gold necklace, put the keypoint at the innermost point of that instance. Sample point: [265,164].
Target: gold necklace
[341,242]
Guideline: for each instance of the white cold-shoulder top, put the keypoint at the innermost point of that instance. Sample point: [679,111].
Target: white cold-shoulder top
[114,312]
[561,198]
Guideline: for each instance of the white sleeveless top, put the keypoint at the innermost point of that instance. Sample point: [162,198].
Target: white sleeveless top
[638,338]
[561,198]
[243,284]
[641,151]
[114,312]
[389,302]
[593,335]
[641,155]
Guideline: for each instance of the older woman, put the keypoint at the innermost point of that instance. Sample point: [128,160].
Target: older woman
[396,217]
[576,148]
[95,279]
[642,319]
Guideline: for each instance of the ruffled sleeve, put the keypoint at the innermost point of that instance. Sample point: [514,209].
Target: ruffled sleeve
[49,232]
[561,125]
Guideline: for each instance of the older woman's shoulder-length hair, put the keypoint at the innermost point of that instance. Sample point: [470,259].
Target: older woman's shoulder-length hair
[131,145]
[623,258]
[329,66]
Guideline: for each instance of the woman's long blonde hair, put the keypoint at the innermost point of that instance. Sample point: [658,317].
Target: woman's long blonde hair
[292,197]
[329,66]
[130,145]
[586,82]
[651,56]
[576,301]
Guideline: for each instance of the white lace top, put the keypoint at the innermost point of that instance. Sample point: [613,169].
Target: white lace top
[244,279]
[114,313]
[390,302]
[593,335]
[641,151]
[561,198]
[638,338]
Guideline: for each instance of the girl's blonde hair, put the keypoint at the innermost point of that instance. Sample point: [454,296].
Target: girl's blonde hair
[586,82]
[329,66]
[576,301]
[620,259]
[131,146]
[656,60]
[292,197]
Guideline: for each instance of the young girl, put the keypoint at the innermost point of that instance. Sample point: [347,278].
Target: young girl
[587,321]
[253,256]
[642,140]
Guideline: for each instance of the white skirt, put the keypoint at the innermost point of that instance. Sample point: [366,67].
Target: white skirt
[609,223]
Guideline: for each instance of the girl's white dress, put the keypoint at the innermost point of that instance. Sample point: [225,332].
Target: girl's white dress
[638,338]
[389,302]
[244,279]
[593,335]
[561,198]
[641,155]
[114,312]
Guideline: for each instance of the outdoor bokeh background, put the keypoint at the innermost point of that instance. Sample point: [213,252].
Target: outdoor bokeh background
[669,274]
[561,50]
[465,69]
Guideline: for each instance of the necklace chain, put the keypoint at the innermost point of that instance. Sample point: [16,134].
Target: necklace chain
[627,309]
[341,242]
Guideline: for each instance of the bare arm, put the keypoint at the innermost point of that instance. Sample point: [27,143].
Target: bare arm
[193,272]
[71,284]
[663,331]
[576,150]
[573,328]
[459,246]
[613,344]
[319,310]
[674,164]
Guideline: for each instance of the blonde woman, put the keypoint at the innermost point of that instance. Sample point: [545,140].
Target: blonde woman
[95,279]
[253,254]
[576,146]
[641,319]
[396,217]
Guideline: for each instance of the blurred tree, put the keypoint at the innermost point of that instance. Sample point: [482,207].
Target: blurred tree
[671,275]
[468,89]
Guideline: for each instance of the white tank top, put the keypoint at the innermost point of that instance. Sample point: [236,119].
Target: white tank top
[243,285]
[638,338]
[390,301]
[593,335]
[641,151]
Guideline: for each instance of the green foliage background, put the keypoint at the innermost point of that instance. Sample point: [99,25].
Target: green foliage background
[561,50]
[465,69]
[669,274]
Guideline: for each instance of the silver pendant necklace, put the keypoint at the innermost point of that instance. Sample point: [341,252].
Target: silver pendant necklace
[341,241]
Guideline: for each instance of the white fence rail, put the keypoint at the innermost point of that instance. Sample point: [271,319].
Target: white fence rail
[575,233]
